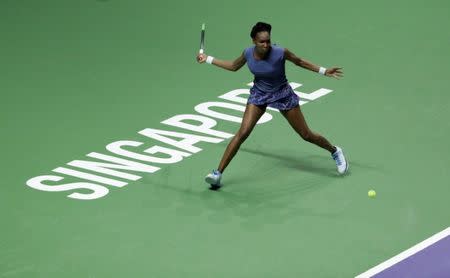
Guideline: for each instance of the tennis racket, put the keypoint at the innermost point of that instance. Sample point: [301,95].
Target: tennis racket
[202,39]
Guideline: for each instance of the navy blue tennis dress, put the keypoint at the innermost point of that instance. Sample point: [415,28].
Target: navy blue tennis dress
[270,86]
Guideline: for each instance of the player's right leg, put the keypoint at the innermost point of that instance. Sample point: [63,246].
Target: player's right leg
[251,116]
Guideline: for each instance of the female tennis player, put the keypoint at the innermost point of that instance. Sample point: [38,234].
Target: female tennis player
[271,88]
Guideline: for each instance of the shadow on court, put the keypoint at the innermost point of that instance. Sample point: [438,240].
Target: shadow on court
[316,164]
[252,204]
[258,195]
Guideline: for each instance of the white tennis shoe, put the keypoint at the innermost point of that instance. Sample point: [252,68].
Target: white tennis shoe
[213,178]
[341,162]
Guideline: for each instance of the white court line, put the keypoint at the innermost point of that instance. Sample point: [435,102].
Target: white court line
[405,254]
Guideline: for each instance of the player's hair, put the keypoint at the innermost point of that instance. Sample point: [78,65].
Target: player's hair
[260,27]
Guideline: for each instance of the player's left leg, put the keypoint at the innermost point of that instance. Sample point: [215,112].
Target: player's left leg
[296,119]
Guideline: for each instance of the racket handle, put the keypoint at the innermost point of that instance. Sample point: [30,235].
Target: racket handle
[201,51]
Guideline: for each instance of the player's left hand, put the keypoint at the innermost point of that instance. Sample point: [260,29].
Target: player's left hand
[334,72]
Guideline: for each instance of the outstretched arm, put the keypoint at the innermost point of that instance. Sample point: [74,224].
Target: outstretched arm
[228,65]
[331,72]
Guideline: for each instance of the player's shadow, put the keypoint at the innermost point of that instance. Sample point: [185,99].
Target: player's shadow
[253,206]
[315,164]
[257,207]
[260,203]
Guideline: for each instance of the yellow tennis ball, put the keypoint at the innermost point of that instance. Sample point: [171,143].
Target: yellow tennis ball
[372,193]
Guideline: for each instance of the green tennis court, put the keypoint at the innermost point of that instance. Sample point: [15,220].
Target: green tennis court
[80,79]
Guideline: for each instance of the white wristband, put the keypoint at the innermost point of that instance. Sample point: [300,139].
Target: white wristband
[209,59]
[322,70]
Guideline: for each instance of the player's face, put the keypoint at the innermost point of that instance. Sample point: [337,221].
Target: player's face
[262,42]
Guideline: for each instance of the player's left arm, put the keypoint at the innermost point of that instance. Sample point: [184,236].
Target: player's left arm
[330,72]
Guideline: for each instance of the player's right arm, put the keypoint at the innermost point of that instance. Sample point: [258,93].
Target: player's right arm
[228,65]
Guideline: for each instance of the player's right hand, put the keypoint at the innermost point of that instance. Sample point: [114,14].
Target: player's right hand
[201,58]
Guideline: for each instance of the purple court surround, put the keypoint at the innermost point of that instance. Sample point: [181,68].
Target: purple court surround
[428,259]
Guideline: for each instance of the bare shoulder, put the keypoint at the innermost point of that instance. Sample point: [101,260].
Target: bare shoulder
[241,57]
[288,54]
[239,62]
